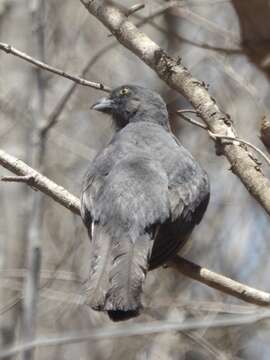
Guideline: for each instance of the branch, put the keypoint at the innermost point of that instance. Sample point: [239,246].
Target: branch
[244,142]
[215,137]
[40,182]
[11,50]
[27,179]
[63,197]
[220,282]
[181,113]
[146,328]
[36,149]
[134,8]
[180,79]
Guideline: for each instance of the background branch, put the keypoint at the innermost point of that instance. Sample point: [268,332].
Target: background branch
[36,151]
[78,80]
[125,330]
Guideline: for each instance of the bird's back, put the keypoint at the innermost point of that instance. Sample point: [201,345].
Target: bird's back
[141,194]
[186,191]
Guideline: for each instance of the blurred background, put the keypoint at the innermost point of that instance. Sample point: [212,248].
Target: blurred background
[224,43]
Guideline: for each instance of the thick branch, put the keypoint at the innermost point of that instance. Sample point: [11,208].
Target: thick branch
[180,79]
[63,197]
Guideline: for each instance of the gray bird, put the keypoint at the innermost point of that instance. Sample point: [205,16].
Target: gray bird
[141,197]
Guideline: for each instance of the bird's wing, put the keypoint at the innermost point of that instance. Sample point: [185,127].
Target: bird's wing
[92,184]
[188,194]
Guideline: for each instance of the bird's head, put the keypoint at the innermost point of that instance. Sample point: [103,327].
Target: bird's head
[129,103]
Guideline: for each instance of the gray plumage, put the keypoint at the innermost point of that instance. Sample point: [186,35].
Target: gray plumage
[142,196]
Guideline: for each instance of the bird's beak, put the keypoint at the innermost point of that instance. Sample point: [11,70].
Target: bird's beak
[103,105]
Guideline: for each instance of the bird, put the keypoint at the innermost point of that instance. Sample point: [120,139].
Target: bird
[141,197]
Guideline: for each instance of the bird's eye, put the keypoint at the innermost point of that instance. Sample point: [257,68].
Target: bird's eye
[124,92]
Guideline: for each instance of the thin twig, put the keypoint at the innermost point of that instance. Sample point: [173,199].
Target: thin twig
[45,274]
[134,9]
[77,299]
[183,111]
[237,139]
[24,179]
[206,345]
[57,111]
[11,304]
[222,137]
[11,50]
[190,120]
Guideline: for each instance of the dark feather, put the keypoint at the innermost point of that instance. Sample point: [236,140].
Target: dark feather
[120,315]
[173,236]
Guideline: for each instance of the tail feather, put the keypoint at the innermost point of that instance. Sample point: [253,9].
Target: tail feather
[121,315]
[98,283]
[129,267]
[118,270]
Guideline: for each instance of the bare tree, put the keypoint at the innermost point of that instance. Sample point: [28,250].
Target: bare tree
[45,120]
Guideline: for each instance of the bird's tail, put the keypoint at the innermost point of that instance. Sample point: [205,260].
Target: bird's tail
[97,284]
[118,271]
[129,266]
